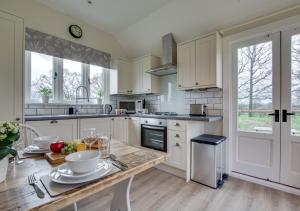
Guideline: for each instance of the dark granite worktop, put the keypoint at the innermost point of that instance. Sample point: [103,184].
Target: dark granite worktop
[86,116]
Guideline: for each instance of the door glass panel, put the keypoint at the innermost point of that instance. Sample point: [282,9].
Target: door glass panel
[255,88]
[295,84]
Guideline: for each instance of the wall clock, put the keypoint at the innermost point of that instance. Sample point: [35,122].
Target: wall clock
[75,31]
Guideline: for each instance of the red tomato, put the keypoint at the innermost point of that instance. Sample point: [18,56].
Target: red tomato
[56,147]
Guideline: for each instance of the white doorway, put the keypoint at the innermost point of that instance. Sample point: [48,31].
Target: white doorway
[266,105]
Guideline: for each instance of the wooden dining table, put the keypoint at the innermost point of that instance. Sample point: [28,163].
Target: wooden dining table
[17,194]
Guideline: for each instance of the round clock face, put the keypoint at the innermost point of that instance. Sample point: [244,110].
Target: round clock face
[75,31]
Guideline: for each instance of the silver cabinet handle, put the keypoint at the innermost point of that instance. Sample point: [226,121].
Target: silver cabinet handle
[177,145]
[177,135]
[179,85]
[18,119]
[197,83]
[53,122]
[177,124]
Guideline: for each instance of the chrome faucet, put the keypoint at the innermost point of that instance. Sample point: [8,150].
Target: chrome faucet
[81,98]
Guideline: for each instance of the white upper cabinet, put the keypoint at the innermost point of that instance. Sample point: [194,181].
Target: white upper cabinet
[144,82]
[11,62]
[120,77]
[200,63]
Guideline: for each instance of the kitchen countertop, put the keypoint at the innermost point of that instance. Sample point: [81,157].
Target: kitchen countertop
[86,116]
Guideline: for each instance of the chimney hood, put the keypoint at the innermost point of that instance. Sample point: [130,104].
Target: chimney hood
[169,57]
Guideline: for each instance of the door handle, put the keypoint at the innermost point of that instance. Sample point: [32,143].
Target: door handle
[276,114]
[285,114]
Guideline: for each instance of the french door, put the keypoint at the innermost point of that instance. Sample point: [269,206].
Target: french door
[266,105]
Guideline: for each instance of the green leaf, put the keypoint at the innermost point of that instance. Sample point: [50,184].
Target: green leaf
[4,151]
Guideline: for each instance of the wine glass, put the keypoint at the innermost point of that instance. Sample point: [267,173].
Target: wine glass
[18,145]
[90,137]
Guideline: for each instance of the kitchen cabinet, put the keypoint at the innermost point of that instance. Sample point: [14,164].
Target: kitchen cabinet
[121,77]
[134,131]
[200,63]
[144,82]
[64,129]
[11,62]
[119,128]
[102,126]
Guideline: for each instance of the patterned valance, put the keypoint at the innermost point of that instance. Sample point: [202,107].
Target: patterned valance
[48,44]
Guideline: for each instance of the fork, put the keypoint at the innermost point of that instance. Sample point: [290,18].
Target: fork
[32,181]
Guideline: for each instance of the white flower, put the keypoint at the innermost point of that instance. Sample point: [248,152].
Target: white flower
[2,136]
[2,129]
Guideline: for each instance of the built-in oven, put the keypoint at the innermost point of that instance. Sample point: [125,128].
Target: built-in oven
[154,134]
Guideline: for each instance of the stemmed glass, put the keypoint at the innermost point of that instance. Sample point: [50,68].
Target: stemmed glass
[90,137]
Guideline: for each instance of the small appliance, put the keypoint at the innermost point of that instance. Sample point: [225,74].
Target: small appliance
[198,109]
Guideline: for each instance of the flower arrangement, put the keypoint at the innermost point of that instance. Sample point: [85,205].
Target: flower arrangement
[9,133]
[100,93]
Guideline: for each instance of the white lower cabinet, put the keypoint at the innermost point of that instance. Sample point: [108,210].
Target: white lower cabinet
[119,129]
[102,126]
[64,129]
[134,131]
[177,146]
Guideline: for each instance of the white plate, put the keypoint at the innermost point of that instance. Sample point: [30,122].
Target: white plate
[32,149]
[65,170]
[56,177]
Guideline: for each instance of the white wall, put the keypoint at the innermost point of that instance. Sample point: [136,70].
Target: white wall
[42,18]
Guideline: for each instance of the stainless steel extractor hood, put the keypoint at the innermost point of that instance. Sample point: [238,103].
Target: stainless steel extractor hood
[169,57]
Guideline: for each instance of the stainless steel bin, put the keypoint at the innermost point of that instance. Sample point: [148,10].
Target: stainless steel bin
[207,160]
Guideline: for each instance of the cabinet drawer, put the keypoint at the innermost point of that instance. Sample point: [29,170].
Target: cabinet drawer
[177,125]
[176,136]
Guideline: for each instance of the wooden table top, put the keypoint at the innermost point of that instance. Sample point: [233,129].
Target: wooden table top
[15,193]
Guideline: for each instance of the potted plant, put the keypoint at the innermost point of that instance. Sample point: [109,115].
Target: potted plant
[9,133]
[100,96]
[46,93]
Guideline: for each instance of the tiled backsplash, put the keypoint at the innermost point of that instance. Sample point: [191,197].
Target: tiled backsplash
[57,109]
[213,98]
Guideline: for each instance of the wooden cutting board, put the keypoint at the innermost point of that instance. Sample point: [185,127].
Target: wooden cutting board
[55,158]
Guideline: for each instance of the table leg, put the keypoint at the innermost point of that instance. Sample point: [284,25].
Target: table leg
[75,206]
[121,201]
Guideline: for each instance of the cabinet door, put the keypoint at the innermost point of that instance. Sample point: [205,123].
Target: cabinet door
[206,62]
[177,152]
[11,62]
[186,65]
[102,126]
[120,128]
[134,131]
[146,77]
[124,77]
[136,77]
[64,129]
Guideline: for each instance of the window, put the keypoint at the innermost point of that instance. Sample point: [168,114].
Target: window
[255,87]
[63,76]
[72,78]
[41,73]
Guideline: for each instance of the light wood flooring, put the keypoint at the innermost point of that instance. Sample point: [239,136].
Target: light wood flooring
[156,190]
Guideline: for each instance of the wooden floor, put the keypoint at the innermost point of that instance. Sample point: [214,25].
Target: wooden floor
[156,190]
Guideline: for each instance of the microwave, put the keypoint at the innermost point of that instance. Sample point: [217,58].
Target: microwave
[131,106]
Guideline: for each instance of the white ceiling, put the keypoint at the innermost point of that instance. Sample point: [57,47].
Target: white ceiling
[111,16]
[139,24]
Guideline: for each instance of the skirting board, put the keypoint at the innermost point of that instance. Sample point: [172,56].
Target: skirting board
[269,184]
[172,170]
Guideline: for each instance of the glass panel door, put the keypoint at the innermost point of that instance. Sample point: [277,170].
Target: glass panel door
[290,103]
[257,104]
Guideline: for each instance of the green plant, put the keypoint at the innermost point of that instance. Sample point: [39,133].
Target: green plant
[9,133]
[45,91]
[100,93]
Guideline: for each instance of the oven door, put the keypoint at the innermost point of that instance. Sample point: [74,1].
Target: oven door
[154,137]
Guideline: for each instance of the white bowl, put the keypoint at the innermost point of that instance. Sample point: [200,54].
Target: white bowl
[84,161]
[44,142]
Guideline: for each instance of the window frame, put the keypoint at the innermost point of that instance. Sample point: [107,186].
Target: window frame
[58,96]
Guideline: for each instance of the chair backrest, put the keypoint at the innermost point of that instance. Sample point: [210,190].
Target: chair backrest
[28,133]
